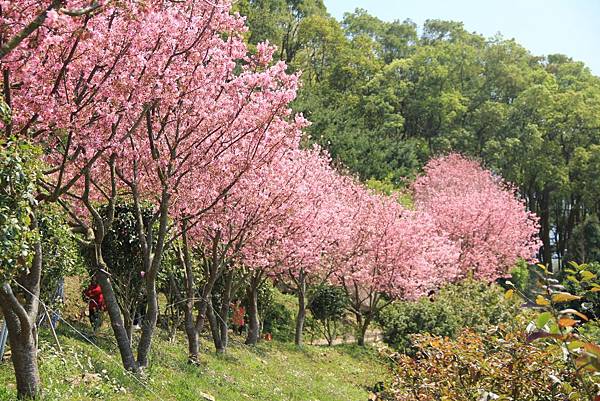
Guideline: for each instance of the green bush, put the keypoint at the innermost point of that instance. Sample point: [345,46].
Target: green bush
[19,171]
[62,256]
[522,278]
[575,283]
[328,302]
[276,315]
[468,304]
[328,305]
[584,244]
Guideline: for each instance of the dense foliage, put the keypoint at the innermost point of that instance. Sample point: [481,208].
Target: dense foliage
[62,256]
[468,304]
[19,171]
[483,367]
[328,304]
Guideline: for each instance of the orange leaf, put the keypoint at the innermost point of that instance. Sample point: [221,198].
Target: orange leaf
[566,322]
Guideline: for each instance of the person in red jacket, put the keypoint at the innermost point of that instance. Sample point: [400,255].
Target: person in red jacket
[238,317]
[96,304]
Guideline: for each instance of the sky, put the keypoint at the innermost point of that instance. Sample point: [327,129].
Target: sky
[570,27]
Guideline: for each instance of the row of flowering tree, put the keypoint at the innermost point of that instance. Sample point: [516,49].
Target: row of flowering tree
[161,105]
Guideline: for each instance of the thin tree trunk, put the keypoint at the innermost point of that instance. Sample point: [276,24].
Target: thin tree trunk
[362,330]
[148,324]
[190,327]
[116,322]
[545,228]
[330,334]
[128,322]
[301,316]
[201,317]
[213,272]
[152,259]
[254,323]
[214,328]
[225,301]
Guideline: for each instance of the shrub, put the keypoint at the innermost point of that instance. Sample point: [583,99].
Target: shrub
[328,305]
[494,366]
[276,316]
[575,283]
[522,278]
[470,303]
[560,327]
[19,172]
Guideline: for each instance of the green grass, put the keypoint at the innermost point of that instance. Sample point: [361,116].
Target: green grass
[272,371]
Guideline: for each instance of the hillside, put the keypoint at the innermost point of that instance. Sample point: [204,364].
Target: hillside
[271,371]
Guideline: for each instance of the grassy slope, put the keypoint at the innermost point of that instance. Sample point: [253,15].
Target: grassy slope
[269,372]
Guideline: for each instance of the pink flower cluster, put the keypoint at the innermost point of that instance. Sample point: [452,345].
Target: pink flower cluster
[480,213]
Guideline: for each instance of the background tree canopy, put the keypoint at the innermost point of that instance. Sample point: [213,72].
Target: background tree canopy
[384,97]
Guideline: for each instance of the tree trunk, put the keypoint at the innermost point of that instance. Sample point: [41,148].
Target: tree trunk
[213,275]
[24,359]
[363,326]
[201,317]
[149,323]
[22,339]
[225,301]
[116,322]
[128,322]
[330,336]
[190,327]
[214,328]
[254,323]
[192,337]
[545,228]
[301,316]
[20,318]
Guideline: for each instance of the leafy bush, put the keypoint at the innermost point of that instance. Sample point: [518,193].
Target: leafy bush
[62,257]
[493,366]
[577,282]
[522,278]
[328,305]
[471,304]
[122,253]
[19,171]
[558,326]
[584,244]
[273,308]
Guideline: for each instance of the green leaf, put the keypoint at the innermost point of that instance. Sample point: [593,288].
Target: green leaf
[542,319]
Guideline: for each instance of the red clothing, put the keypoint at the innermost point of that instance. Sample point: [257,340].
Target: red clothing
[238,315]
[94,293]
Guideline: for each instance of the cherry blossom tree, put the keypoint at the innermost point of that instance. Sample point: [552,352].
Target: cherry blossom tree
[294,253]
[388,253]
[264,205]
[145,101]
[480,212]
